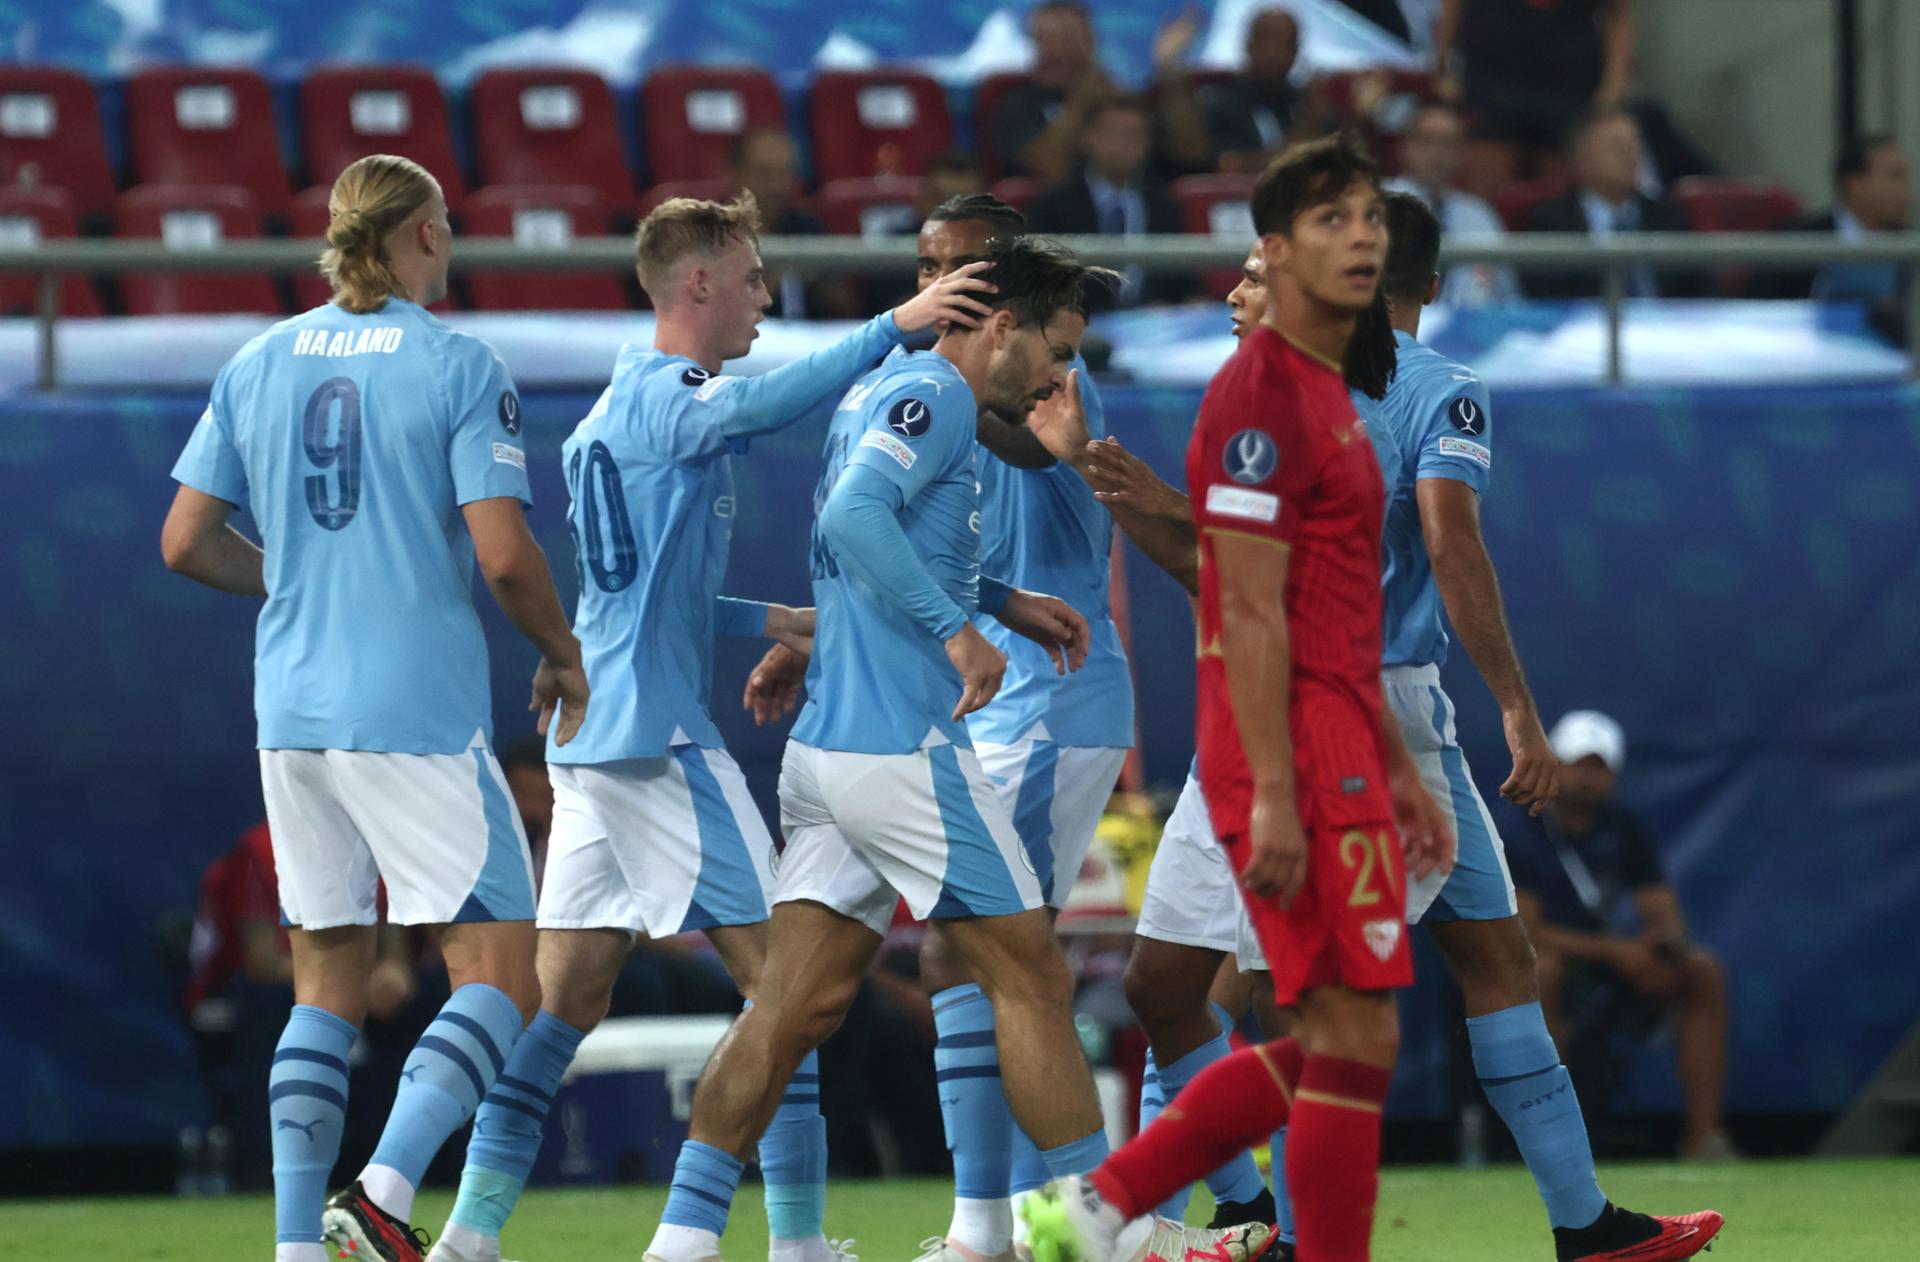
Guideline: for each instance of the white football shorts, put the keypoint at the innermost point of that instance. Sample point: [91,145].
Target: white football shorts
[1056,795]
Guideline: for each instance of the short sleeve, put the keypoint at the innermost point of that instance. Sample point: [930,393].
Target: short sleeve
[1456,440]
[211,463]
[1255,464]
[911,430]
[486,449]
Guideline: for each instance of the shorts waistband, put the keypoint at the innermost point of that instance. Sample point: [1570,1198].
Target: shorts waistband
[1418,676]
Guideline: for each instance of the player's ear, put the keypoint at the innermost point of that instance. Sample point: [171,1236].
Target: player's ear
[1275,250]
[699,285]
[1433,290]
[1000,326]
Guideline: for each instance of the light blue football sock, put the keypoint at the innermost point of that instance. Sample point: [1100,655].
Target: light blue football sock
[704,1181]
[447,1075]
[1239,1179]
[307,1102]
[1078,1157]
[1029,1167]
[1282,1203]
[1528,1086]
[508,1127]
[793,1159]
[966,1066]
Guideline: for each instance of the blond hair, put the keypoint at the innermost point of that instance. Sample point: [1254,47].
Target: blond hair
[370,199]
[681,226]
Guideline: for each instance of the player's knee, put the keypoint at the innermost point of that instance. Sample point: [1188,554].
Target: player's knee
[1157,995]
[810,1020]
[1041,980]
[942,967]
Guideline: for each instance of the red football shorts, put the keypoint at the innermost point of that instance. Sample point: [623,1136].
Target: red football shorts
[1347,925]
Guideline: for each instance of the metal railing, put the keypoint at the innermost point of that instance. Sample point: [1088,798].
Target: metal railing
[1610,257]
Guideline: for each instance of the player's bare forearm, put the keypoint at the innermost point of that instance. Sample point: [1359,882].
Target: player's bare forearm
[1013,444]
[197,541]
[1469,588]
[525,593]
[1256,651]
[1171,545]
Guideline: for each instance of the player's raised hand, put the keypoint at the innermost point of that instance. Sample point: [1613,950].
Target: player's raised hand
[948,300]
[1051,623]
[1060,422]
[981,668]
[1277,866]
[774,686]
[1426,839]
[1535,781]
[560,688]
[1119,477]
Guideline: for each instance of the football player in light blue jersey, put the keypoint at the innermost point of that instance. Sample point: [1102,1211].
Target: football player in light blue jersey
[1435,560]
[654,831]
[379,451]
[881,795]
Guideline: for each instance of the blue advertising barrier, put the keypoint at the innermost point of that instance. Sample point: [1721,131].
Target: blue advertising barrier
[1733,573]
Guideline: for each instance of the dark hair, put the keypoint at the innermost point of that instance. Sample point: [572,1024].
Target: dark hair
[1308,175]
[981,208]
[1074,7]
[1413,248]
[1857,155]
[1114,102]
[1037,277]
[1373,357]
[528,751]
[1577,134]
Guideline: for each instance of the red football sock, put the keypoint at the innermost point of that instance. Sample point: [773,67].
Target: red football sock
[1230,1105]
[1333,1157]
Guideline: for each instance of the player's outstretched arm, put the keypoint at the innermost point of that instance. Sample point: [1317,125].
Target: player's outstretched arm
[1425,835]
[516,572]
[1256,650]
[199,542]
[1450,524]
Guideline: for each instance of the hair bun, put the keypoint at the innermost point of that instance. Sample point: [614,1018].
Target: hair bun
[350,230]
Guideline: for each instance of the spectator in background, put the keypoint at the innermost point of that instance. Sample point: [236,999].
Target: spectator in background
[948,175]
[1257,113]
[1429,164]
[1873,192]
[1111,192]
[762,160]
[1526,71]
[1582,869]
[1604,152]
[1038,127]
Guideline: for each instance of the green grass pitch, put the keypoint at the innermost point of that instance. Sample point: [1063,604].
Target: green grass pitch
[1777,1211]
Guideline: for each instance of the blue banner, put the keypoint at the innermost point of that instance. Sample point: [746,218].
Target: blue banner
[1734,574]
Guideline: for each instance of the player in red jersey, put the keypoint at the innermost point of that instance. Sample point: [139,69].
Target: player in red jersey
[1310,790]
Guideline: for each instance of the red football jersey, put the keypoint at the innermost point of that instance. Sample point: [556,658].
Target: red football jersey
[1279,454]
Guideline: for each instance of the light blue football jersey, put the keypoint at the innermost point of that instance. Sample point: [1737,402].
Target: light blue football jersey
[650,473]
[1042,530]
[880,682]
[1438,412]
[355,440]
[1386,447]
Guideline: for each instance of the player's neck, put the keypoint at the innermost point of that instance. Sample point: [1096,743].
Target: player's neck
[677,330]
[1315,328]
[968,355]
[1408,324]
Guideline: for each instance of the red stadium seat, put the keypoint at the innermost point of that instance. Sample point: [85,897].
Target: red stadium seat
[689,114]
[879,206]
[1217,206]
[1380,103]
[347,112]
[193,217]
[1018,191]
[207,126]
[716,189]
[29,216]
[541,216]
[550,127]
[1715,204]
[50,136]
[1517,201]
[986,103]
[876,122]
